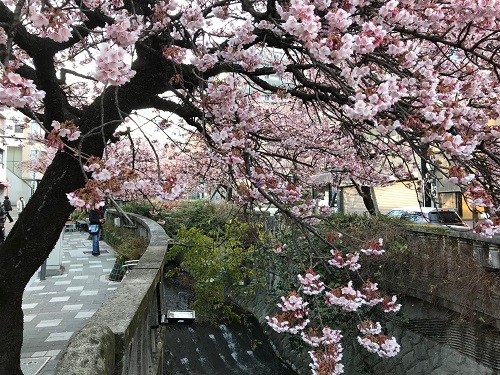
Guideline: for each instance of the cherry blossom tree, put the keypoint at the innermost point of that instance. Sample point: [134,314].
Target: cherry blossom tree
[268,93]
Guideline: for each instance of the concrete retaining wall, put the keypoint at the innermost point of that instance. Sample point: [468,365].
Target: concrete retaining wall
[125,333]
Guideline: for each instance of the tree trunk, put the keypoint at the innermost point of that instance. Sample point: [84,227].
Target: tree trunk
[29,243]
[426,185]
[12,330]
[39,226]
[366,194]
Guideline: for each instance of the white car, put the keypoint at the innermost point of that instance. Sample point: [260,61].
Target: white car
[428,215]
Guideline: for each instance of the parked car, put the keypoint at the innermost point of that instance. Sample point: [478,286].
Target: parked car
[428,215]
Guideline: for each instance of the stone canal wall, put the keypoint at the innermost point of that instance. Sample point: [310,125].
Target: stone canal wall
[448,291]
[433,342]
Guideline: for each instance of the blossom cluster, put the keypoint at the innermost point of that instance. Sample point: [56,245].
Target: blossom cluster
[53,22]
[329,336]
[114,176]
[327,352]
[125,31]
[311,284]
[350,262]
[488,227]
[326,360]
[457,175]
[373,247]
[67,129]
[88,197]
[111,67]
[16,91]
[381,345]
[477,195]
[294,317]
[192,18]
[346,297]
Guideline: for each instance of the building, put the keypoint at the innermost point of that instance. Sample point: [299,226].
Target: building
[14,132]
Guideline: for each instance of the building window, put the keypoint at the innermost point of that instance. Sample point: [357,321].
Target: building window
[18,128]
[35,128]
[33,154]
[1,158]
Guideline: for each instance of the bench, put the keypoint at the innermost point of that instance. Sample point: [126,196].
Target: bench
[70,227]
[82,225]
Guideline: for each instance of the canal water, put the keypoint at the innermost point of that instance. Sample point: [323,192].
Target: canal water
[226,349]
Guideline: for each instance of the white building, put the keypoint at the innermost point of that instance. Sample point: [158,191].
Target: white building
[13,149]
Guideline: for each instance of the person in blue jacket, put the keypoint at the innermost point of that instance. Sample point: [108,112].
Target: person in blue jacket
[96,216]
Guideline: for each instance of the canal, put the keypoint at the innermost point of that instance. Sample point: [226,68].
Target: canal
[228,348]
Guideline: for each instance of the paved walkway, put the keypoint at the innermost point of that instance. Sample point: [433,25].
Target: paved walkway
[60,305]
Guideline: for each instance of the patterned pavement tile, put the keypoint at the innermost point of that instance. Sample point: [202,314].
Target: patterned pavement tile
[60,305]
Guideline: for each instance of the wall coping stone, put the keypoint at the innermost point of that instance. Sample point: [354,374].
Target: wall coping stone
[90,352]
[468,234]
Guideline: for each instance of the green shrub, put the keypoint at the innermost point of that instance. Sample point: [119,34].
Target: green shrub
[139,207]
[78,215]
[221,263]
[126,244]
[200,214]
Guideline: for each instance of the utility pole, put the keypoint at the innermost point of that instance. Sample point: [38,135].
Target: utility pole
[426,178]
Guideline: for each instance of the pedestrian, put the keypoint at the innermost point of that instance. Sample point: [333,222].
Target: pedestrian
[7,206]
[20,205]
[96,219]
[2,223]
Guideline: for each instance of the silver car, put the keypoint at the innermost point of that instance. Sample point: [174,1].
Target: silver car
[428,215]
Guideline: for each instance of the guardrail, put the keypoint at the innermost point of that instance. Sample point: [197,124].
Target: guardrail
[125,337]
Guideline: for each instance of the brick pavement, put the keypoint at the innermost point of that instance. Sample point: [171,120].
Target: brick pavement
[60,305]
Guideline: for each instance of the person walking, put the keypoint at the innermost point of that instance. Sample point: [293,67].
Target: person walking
[20,205]
[2,223]
[96,219]
[7,206]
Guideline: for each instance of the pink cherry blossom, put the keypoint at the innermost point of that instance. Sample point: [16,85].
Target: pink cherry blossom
[111,68]
[369,327]
[389,304]
[16,91]
[350,262]
[327,360]
[382,345]
[348,298]
[373,247]
[294,316]
[311,284]
[328,337]
[125,31]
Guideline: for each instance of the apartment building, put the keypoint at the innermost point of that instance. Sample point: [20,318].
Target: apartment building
[14,132]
